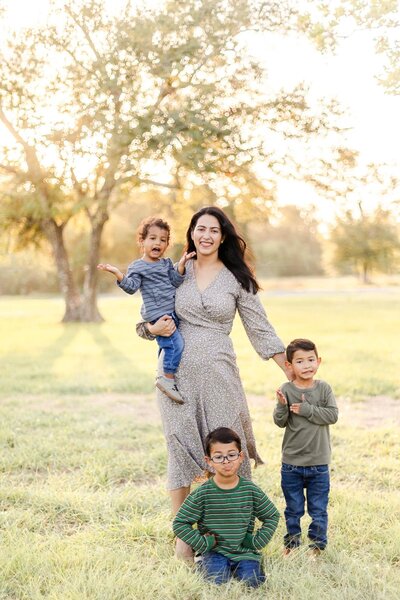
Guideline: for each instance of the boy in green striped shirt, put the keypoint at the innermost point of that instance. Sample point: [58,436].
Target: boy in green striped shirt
[224,509]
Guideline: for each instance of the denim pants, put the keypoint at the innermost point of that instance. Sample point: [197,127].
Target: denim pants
[315,480]
[173,348]
[220,569]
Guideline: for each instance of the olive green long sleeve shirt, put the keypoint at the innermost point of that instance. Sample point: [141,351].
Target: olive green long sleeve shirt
[306,441]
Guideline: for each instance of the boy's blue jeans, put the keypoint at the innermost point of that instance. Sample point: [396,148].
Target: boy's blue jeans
[173,348]
[315,480]
[220,569]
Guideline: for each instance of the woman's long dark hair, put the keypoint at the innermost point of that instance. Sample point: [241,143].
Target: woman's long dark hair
[233,250]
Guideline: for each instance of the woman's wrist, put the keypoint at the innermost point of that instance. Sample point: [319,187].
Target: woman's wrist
[280,359]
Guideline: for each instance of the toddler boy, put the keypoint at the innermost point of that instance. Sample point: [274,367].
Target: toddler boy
[157,280]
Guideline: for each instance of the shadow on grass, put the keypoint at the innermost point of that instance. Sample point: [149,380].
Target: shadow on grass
[97,365]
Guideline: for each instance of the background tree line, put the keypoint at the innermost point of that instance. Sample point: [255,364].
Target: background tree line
[286,244]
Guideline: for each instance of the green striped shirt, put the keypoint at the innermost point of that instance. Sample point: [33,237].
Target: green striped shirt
[229,515]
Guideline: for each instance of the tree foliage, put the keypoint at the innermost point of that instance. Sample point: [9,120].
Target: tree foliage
[97,104]
[366,242]
[290,247]
[335,19]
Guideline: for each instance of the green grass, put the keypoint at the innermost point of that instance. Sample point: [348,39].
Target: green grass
[357,335]
[84,514]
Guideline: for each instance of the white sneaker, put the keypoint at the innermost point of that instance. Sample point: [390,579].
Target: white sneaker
[168,387]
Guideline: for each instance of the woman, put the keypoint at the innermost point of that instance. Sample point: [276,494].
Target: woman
[218,282]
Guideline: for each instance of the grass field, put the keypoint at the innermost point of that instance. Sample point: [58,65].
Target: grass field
[83,510]
[357,335]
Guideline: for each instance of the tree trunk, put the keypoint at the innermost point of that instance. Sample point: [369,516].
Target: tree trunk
[55,234]
[365,271]
[89,310]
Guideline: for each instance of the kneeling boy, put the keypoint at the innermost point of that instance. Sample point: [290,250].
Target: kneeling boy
[224,509]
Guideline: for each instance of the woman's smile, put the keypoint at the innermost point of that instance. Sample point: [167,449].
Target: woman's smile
[207,234]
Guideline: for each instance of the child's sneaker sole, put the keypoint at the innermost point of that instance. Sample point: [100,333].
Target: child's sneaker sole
[169,394]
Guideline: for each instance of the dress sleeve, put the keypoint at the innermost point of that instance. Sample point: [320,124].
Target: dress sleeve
[259,330]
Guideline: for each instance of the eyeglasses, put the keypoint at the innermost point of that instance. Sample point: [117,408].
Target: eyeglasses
[220,458]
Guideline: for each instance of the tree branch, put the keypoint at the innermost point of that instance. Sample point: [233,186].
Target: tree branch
[170,186]
[85,32]
[77,62]
[16,135]
[10,169]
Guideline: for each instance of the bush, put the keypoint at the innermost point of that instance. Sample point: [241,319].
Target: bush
[27,272]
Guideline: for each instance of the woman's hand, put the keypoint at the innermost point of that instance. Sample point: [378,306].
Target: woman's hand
[281,361]
[165,326]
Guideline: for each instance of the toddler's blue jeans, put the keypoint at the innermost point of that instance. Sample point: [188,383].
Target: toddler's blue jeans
[315,480]
[173,348]
[220,569]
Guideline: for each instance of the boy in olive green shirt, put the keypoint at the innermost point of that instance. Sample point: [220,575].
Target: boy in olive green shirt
[305,408]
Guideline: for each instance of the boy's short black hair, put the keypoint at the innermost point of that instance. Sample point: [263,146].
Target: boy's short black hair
[222,435]
[300,344]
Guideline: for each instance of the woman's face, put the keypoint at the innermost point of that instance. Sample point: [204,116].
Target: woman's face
[207,235]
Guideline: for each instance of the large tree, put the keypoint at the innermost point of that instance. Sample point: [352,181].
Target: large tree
[366,242]
[97,103]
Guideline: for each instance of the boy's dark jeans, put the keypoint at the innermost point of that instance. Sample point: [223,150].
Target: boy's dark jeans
[220,569]
[315,480]
[173,348]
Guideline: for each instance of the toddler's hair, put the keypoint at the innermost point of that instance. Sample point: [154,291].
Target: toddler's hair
[145,225]
[222,435]
[300,344]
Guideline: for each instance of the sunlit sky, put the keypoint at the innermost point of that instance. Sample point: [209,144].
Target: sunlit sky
[350,75]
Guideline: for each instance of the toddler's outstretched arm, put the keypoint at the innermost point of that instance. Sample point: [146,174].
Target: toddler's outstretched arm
[111,269]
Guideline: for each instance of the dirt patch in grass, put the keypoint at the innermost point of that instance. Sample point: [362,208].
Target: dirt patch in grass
[377,411]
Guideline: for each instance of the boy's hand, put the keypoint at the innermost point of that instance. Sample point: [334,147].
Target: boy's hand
[297,406]
[280,396]
[111,269]
[184,258]
[213,536]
